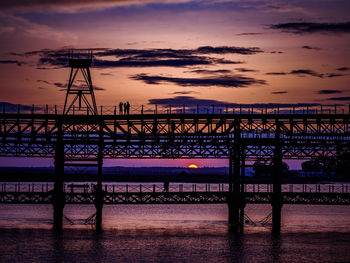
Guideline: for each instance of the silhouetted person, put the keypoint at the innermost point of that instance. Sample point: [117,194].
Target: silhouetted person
[120,108]
[127,108]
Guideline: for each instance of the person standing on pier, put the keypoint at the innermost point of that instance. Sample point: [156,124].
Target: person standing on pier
[120,108]
[127,108]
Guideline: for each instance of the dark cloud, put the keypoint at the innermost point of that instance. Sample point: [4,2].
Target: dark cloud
[329,91]
[137,62]
[307,27]
[276,52]
[309,47]
[340,98]
[98,88]
[303,72]
[333,75]
[18,63]
[192,102]
[227,81]
[183,92]
[276,73]
[103,57]
[60,85]
[246,70]
[43,81]
[11,107]
[210,72]
[343,69]
[248,34]
[228,50]
[279,92]
[63,86]
[106,74]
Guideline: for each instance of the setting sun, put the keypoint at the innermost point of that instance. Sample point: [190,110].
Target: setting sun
[192,166]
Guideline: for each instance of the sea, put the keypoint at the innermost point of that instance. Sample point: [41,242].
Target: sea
[174,233]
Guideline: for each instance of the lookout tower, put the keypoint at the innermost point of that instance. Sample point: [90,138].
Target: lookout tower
[80,93]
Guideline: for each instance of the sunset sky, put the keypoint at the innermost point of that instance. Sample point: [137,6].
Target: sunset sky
[179,52]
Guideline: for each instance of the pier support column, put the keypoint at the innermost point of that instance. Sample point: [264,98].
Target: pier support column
[276,200]
[242,194]
[58,198]
[99,192]
[235,197]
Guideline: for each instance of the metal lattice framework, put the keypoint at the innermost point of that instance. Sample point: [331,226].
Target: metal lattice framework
[174,135]
[174,198]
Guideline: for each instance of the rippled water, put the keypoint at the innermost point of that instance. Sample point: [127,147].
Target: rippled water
[173,233]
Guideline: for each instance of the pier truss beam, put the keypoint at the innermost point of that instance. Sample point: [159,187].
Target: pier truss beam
[302,136]
[11,197]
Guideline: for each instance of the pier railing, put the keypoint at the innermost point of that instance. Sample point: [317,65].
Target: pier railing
[184,109]
[173,187]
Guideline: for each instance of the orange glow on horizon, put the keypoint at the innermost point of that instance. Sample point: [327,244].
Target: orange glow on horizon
[193,166]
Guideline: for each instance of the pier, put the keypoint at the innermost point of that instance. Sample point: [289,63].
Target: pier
[82,134]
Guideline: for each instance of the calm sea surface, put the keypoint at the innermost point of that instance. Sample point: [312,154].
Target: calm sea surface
[173,233]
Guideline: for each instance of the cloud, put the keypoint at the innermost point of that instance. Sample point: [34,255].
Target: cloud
[228,50]
[248,34]
[71,6]
[23,29]
[339,98]
[139,62]
[63,86]
[303,72]
[309,47]
[11,107]
[145,57]
[106,74]
[276,73]
[329,91]
[193,102]
[246,70]
[109,58]
[343,69]
[18,63]
[279,92]
[333,75]
[209,72]
[183,92]
[179,53]
[43,81]
[227,81]
[308,27]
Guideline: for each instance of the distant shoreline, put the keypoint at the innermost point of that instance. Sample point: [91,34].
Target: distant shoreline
[146,174]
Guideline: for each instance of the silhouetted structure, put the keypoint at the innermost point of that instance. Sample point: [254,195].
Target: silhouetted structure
[85,140]
[82,95]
